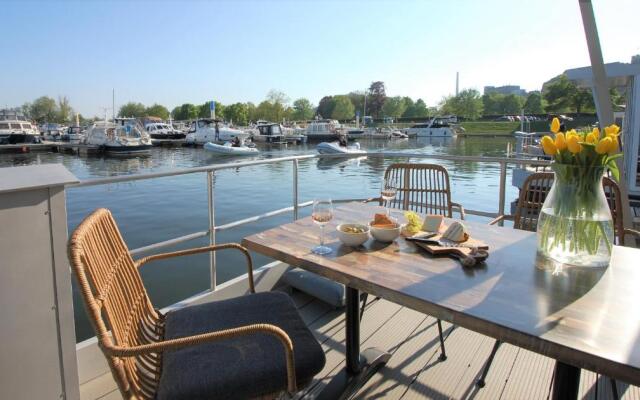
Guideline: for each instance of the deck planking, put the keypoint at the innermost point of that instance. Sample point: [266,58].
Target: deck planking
[414,370]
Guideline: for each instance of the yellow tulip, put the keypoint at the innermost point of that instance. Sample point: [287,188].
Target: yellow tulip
[603,145]
[561,141]
[571,132]
[548,145]
[591,138]
[613,148]
[612,130]
[595,132]
[555,125]
[573,145]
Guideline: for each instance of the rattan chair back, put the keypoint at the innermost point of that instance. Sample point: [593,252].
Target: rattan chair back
[423,188]
[117,303]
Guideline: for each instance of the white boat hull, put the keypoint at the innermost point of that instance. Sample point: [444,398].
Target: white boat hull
[228,150]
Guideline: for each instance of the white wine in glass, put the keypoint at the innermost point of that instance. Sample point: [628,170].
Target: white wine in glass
[388,192]
[322,213]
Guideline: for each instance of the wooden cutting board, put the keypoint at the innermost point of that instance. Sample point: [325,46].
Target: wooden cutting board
[470,252]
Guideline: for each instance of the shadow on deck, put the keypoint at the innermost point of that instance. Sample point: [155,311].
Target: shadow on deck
[414,371]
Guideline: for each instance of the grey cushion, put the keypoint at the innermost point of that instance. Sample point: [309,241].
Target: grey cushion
[317,286]
[236,368]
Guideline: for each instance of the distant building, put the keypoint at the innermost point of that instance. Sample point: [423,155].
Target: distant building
[508,89]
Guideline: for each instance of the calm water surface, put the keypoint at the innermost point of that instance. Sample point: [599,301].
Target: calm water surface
[159,209]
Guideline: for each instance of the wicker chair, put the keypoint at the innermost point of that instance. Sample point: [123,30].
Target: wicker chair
[423,188]
[253,346]
[532,195]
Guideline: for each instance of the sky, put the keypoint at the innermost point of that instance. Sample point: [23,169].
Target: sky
[172,53]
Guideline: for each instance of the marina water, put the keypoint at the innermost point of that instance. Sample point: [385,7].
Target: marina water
[154,210]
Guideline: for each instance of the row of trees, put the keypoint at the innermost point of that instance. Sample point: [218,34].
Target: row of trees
[559,95]
[46,109]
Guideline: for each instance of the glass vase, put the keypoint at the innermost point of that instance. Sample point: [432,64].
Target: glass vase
[575,225]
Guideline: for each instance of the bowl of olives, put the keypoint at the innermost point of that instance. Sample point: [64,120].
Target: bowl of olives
[353,235]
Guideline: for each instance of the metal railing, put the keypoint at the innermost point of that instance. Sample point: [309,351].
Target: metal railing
[210,172]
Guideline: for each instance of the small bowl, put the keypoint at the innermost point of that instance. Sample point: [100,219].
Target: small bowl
[353,239]
[385,235]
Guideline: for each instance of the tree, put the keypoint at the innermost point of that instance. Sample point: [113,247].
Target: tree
[185,112]
[238,113]
[302,110]
[64,111]
[342,108]
[409,107]
[204,110]
[376,98]
[157,110]
[394,107]
[357,99]
[251,111]
[132,110]
[467,104]
[582,100]
[492,103]
[26,110]
[43,109]
[512,104]
[325,107]
[277,97]
[533,104]
[558,92]
[419,109]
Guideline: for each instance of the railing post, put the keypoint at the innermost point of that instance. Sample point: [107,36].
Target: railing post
[212,231]
[503,183]
[295,189]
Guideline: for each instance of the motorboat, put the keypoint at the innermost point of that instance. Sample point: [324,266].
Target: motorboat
[125,139]
[227,149]
[336,148]
[16,129]
[72,134]
[266,132]
[160,130]
[52,132]
[437,127]
[207,130]
[323,129]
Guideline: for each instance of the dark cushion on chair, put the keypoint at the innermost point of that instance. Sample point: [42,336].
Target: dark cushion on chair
[236,368]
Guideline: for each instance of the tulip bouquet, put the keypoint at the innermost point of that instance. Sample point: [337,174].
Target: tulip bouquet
[575,224]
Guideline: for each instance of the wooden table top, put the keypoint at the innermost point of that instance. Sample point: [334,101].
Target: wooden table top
[585,317]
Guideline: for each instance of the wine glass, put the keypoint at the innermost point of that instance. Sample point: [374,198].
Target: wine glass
[388,192]
[322,213]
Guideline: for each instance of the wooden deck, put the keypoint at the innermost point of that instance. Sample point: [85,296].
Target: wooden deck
[414,371]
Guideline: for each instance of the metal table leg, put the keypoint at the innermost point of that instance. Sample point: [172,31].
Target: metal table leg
[566,381]
[359,366]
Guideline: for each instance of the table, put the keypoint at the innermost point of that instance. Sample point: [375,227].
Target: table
[583,318]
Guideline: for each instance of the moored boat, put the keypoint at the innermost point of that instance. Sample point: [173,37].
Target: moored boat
[437,127]
[160,131]
[323,129]
[16,129]
[127,139]
[207,130]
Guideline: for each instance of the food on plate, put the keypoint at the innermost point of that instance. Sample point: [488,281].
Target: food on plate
[432,223]
[414,223]
[456,232]
[384,222]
